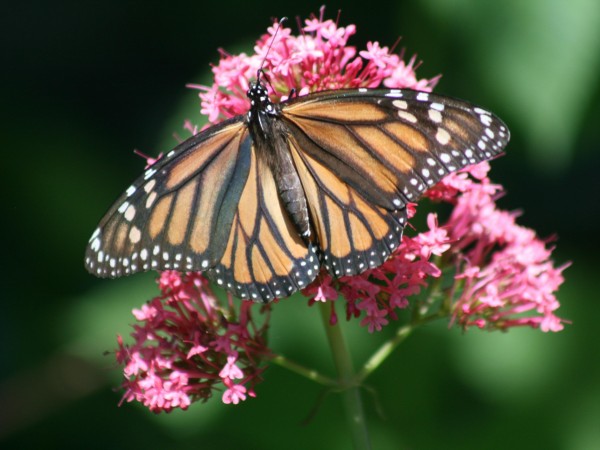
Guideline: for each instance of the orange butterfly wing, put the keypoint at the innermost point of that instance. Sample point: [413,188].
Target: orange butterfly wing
[363,154]
[265,257]
[209,204]
[177,214]
[353,234]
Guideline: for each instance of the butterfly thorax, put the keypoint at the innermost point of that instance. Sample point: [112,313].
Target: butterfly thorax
[270,137]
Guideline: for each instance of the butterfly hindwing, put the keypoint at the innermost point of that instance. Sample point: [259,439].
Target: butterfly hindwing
[265,257]
[353,234]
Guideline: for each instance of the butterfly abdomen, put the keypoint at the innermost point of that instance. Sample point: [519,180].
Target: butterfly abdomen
[290,190]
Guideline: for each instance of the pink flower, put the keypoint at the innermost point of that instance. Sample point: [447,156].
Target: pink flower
[323,290]
[234,394]
[435,241]
[146,312]
[230,370]
[404,76]
[375,318]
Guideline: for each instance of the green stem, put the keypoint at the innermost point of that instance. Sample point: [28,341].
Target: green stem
[353,407]
[304,371]
[389,346]
[418,318]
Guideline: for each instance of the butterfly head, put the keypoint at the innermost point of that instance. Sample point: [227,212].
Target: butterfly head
[259,97]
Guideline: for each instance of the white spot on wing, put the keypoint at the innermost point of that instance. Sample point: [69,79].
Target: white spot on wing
[95,235]
[135,235]
[150,199]
[435,115]
[149,186]
[400,104]
[394,93]
[149,173]
[130,213]
[407,116]
[123,207]
[442,136]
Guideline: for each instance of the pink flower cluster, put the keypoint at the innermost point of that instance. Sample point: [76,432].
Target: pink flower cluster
[505,274]
[375,294]
[318,59]
[501,274]
[187,344]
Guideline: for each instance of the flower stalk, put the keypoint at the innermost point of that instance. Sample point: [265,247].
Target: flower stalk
[302,370]
[349,388]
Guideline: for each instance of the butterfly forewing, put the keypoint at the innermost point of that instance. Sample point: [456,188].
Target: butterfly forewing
[396,143]
[178,214]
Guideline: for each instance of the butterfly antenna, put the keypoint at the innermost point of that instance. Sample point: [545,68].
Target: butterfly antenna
[260,70]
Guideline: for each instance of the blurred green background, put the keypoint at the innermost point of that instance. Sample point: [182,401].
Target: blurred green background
[86,82]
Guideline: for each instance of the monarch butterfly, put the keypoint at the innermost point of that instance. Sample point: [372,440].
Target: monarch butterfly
[262,201]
